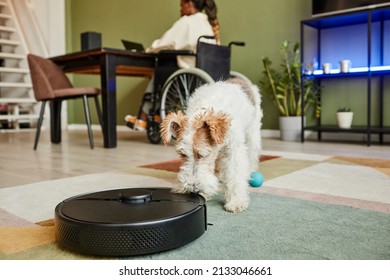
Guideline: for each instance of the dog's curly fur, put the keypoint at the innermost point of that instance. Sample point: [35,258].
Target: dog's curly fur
[218,139]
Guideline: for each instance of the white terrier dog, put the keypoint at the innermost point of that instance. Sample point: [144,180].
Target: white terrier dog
[219,135]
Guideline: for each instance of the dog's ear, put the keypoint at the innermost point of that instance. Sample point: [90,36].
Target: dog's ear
[172,126]
[218,124]
[215,125]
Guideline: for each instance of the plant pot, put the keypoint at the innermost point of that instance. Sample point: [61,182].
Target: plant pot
[290,128]
[344,119]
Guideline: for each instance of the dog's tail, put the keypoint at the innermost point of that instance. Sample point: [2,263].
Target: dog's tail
[254,96]
[249,88]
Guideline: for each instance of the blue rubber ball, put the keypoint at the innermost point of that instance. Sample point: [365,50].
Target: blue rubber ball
[256,180]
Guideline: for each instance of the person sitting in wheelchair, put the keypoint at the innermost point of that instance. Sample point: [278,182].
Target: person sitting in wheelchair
[183,35]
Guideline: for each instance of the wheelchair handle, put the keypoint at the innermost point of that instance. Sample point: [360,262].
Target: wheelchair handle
[237,43]
[206,37]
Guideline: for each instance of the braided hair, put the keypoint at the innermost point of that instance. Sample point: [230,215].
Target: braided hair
[210,8]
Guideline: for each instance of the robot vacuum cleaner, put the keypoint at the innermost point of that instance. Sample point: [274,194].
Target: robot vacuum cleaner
[126,222]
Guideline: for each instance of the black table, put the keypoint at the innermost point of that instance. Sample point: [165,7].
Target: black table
[108,63]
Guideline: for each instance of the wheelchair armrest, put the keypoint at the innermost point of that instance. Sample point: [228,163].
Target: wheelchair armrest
[174,53]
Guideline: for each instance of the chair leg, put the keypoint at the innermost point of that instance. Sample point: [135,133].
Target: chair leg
[88,120]
[99,111]
[39,124]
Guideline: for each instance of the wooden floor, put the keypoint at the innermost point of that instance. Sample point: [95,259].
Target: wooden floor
[20,164]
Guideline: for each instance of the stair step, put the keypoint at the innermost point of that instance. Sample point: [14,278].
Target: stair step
[6,16]
[12,55]
[9,42]
[7,29]
[14,70]
[15,85]
[19,117]
[17,100]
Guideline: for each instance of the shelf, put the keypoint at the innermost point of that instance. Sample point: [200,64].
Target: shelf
[347,19]
[353,129]
[337,21]
[364,36]
[354,72]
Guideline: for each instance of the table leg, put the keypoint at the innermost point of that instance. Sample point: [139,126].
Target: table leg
[108,88]
[55,121]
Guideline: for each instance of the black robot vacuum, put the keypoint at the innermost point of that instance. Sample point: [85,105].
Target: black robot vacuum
[127,222]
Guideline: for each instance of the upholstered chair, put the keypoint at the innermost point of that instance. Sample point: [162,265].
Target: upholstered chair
[51,84]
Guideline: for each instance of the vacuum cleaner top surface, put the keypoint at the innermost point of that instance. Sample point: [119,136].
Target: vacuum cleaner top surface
[131,221]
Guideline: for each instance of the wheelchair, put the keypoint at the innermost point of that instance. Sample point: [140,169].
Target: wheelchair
[173,85]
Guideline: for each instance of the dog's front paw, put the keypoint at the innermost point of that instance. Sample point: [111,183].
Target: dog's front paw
[206,196]
[184,189]
[179,189]
[236,206]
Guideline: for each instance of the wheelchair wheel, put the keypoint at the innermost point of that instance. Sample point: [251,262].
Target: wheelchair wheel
[178,88]
[153,132]
[234,74]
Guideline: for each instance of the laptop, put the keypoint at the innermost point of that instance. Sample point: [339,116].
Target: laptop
[133,46]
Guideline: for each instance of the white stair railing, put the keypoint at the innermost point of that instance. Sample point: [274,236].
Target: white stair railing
[13,16]
[16,96]
[24,29]
[38,31]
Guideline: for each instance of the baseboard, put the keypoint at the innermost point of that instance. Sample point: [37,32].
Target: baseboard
[96,127]
[350,137]
[275,133]
[272,133]
[265,133]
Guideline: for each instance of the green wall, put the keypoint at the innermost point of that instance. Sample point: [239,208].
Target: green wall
[263,25]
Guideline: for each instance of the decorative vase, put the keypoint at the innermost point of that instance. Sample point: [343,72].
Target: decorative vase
[344,119]
[290,128]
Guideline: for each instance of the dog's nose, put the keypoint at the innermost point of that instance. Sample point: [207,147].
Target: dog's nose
[195,189]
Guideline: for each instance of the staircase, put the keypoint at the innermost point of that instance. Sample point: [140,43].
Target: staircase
[16,96]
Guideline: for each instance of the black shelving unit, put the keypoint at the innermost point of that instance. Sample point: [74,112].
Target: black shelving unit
[375,26]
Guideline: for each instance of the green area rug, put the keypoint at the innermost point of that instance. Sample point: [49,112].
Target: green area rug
[285,220]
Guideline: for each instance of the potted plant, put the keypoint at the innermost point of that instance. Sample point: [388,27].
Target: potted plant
[287,89]
[344,117]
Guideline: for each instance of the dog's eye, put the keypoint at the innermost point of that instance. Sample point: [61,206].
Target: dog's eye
[182,155]
[198,156]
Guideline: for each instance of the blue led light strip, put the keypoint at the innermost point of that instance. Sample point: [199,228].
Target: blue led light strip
[354,70]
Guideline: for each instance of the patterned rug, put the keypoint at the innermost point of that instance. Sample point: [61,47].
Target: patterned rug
[309,207]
